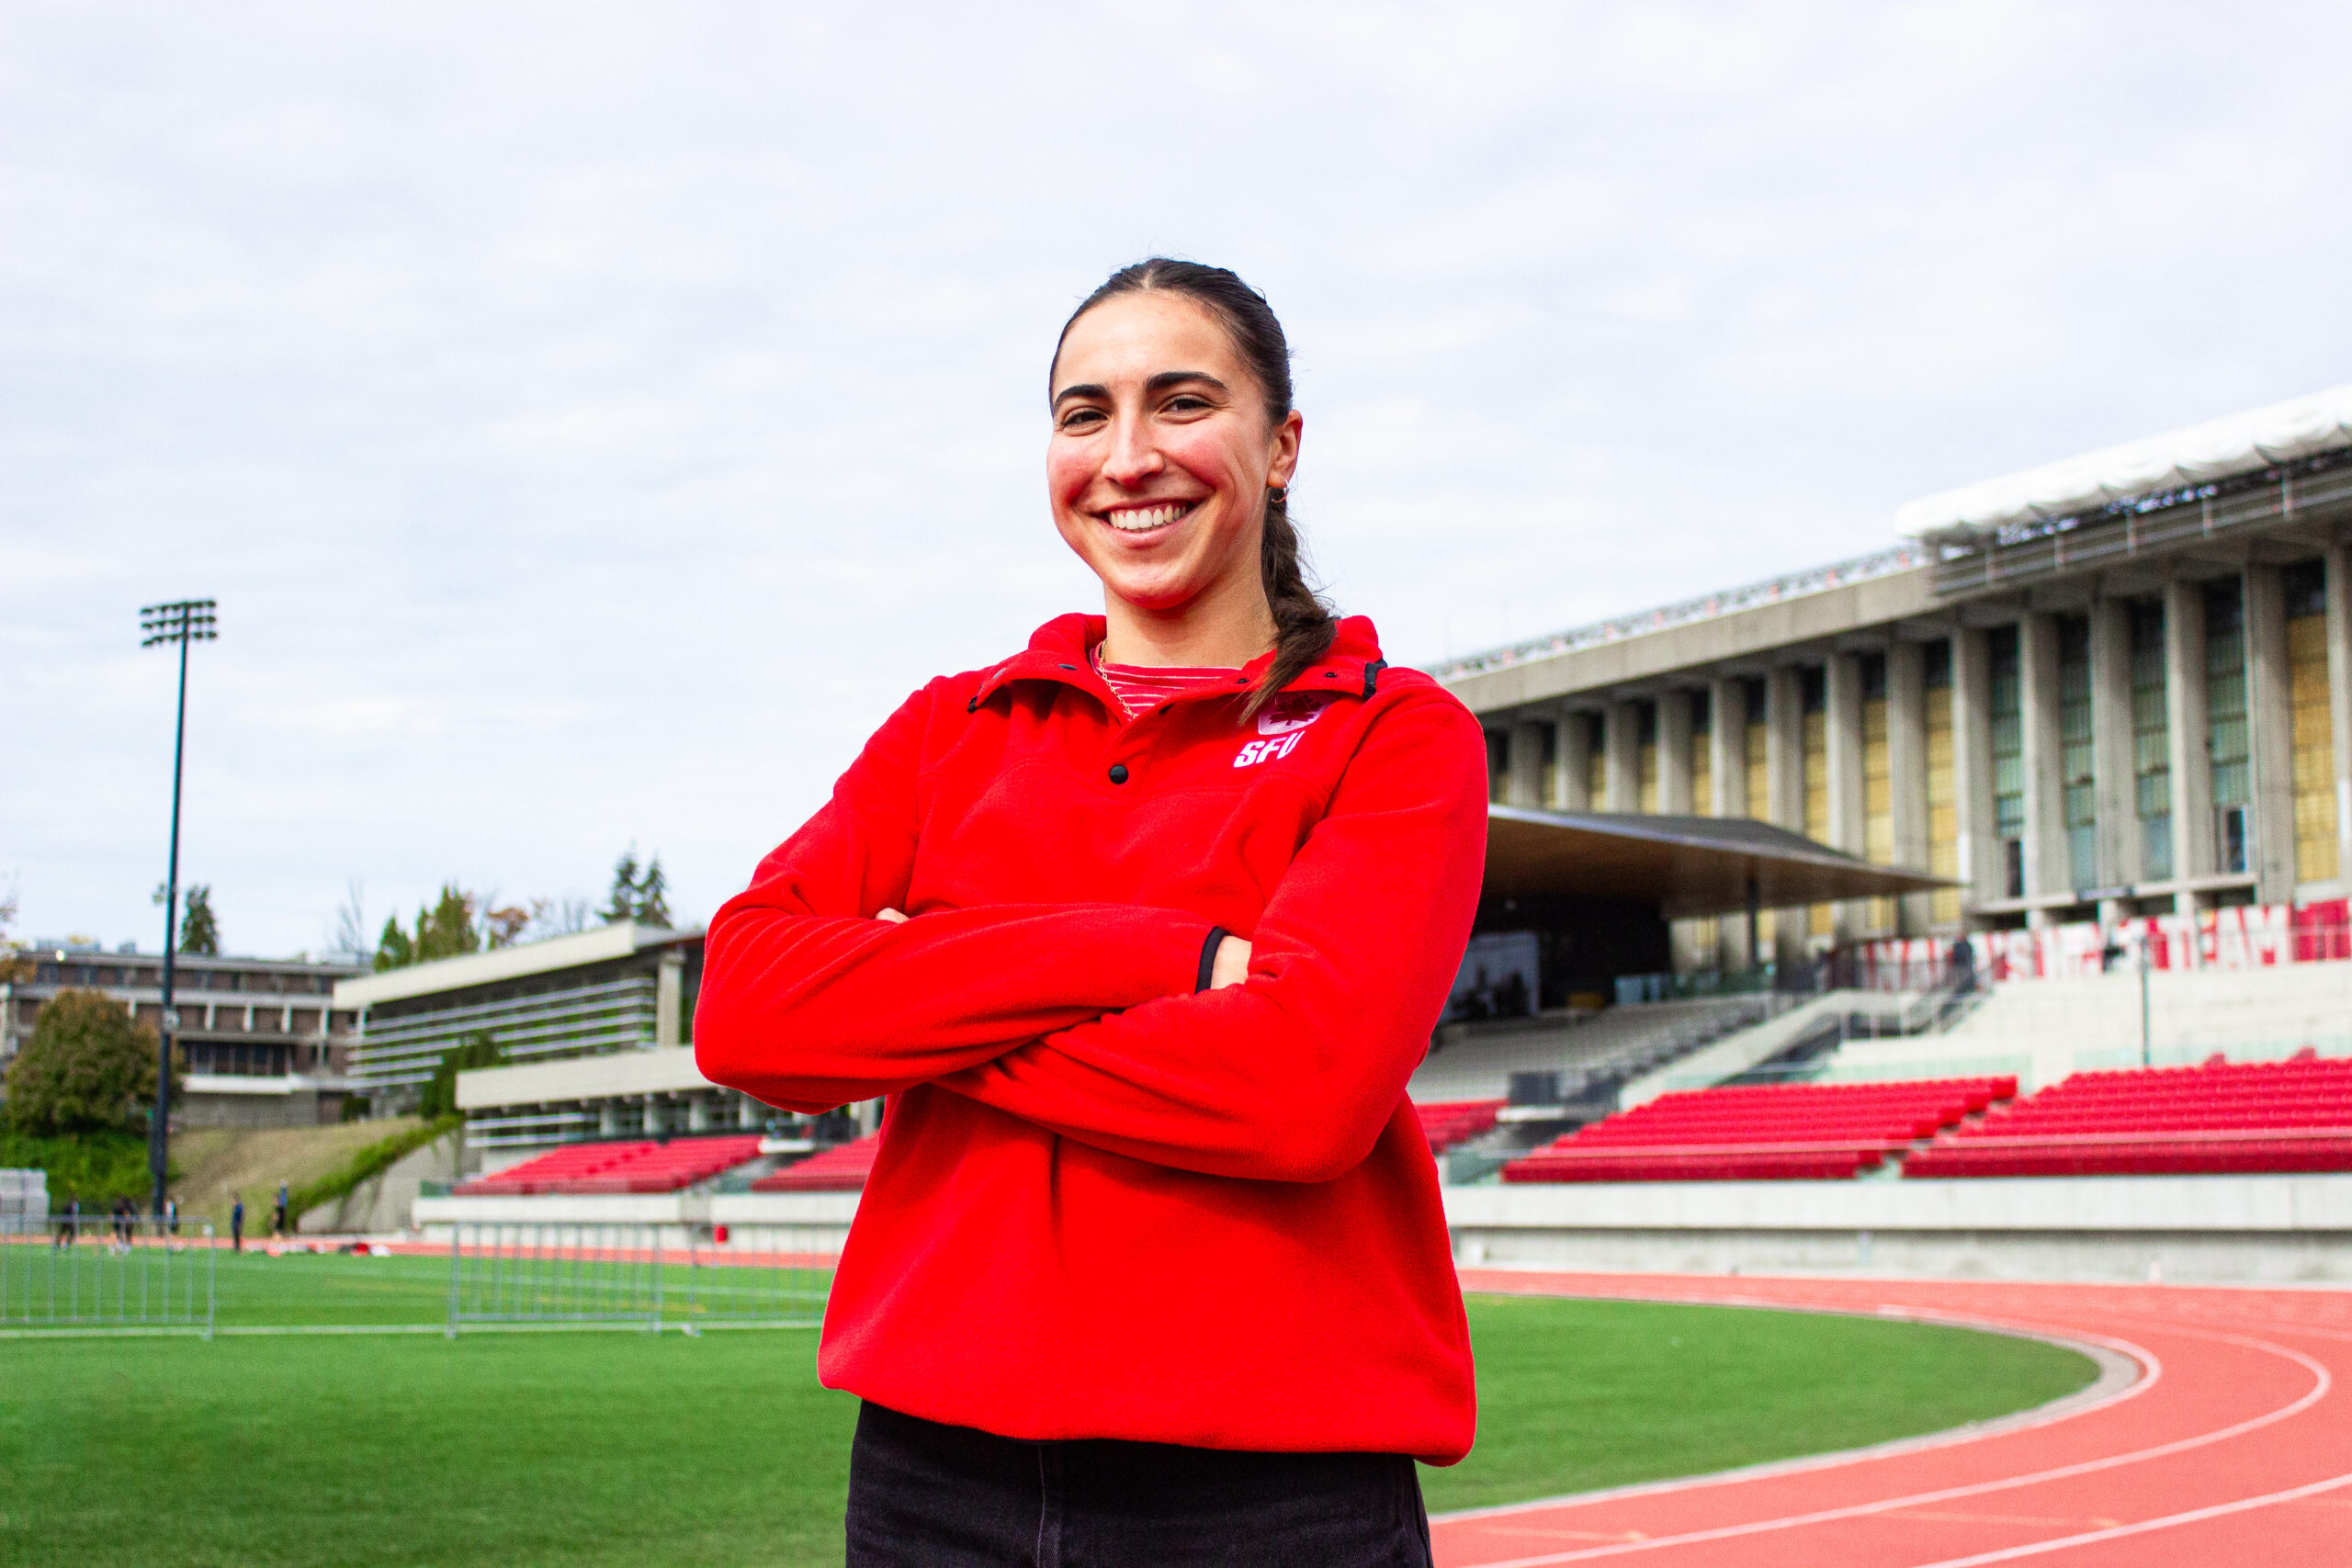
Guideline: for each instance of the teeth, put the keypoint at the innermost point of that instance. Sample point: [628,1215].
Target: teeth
[1138,520]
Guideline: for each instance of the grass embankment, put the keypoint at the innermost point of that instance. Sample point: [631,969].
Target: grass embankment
[214,1165]
[622,1449]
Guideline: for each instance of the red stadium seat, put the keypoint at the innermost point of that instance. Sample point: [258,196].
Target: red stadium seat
[1781,1132]
[843,1168]
[2215,1117]
[634,1167]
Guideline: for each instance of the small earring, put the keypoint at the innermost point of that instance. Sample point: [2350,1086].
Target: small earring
[1277,495]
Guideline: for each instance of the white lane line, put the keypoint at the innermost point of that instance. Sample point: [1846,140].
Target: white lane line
[2063,1409]
[2010,1553]
[2321,1382]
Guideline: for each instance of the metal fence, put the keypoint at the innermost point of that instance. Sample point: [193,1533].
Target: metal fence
[551,1275]
[100,1273]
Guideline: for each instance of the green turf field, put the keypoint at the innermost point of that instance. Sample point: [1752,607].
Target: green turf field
[617,1447]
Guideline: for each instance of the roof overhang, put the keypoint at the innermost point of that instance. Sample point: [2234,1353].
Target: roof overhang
[2176,459]
[1685,866]
[620,939]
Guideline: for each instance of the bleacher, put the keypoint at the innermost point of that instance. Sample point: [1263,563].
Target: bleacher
[842,1168]
[2218,1119]
[1780,1132]
[1449,1122]
[1592,1055]
[640,1166]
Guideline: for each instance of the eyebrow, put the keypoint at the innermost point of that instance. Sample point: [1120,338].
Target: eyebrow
[1158,383]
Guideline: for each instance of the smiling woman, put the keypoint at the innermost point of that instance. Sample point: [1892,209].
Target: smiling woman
[1141,931]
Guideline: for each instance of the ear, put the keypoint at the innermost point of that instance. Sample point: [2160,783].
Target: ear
[1285,450]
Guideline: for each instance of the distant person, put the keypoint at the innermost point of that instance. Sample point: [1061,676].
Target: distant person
[1963,965]
[237,1226]
[69,1222]
[278,1214]
[1153,1256]
[123,1214]
[172,1216]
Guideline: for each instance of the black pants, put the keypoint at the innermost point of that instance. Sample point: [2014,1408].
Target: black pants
[925,1495]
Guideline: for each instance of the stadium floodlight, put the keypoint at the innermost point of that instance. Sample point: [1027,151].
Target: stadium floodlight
[186,621]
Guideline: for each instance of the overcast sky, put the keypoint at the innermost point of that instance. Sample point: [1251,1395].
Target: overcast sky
[594,418]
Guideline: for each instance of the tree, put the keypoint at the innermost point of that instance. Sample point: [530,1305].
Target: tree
[12,964]
[652,895]
[478,1050]
[87,1068]
[621,904]
[638,896]
[200,932]
[503,926]
[446,930]
[393,949]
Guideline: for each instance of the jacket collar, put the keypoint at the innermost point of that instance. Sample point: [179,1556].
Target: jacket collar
[1062,649]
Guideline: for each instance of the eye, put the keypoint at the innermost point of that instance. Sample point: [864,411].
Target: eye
[1079,419]
[1188,402]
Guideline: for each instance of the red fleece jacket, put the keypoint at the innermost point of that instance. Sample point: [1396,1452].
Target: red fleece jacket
[1109,1204]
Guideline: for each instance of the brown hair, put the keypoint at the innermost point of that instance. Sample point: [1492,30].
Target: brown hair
[1304,622]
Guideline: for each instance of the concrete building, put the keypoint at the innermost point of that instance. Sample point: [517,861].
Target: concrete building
[264,1043]
[596,1031]
[2117,686]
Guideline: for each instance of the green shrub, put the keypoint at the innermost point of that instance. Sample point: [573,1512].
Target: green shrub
[366,1165]
[96,1167]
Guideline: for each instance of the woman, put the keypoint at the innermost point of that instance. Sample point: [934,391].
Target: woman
[1151,1267]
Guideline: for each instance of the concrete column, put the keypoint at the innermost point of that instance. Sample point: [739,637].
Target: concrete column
[1575,761]
[650,1116]
[1524,784]
[1624,744]
[2271,740]
[747,1113]
[2185,713]
[1907,773]
[2339,698]
[1674,754]
[1784,747]
[698,1113]
[2117,801]
[1971,767]
[2045,801]
[608,1119]
[1727,755]
[670,998]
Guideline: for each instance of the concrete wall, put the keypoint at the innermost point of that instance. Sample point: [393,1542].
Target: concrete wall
[2181,1228]
[387,1203]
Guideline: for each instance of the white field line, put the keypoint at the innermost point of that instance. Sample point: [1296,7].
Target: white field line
[2321,1381]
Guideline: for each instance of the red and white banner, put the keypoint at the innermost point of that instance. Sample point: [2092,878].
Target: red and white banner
[2254,936]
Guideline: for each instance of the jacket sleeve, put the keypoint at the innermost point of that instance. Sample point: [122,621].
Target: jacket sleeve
[1292,1074]
[808,1002]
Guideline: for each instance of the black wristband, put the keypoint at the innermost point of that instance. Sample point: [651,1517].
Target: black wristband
[1208,958]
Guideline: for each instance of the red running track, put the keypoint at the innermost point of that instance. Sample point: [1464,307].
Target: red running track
[2233,1446]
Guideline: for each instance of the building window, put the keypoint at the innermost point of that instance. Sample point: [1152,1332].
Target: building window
[2150,741]
[1756,750]
[2007,727]
[2227,737]
[1703,755]
[2077,791]
[1596,760]
[1943,800]
[1813,762]
[1645,756]
[1498,762]
[1878,787]
[2310,725]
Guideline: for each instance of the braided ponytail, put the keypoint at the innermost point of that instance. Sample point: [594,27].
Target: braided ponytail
[1303,624]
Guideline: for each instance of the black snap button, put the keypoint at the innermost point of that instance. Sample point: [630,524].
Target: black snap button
[1330,674]
[1118,772]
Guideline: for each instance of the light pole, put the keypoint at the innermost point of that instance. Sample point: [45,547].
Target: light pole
[189,620]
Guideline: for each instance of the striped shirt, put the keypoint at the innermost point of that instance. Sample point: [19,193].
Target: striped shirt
[1142,687]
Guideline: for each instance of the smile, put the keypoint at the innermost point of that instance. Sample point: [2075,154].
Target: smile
[1143,519]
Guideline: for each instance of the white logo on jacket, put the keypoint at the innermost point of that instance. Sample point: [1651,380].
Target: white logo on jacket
[1282,718]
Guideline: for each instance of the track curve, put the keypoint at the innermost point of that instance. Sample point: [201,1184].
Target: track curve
[2234,1445]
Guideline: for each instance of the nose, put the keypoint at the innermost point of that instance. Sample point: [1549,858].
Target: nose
[1134,455]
